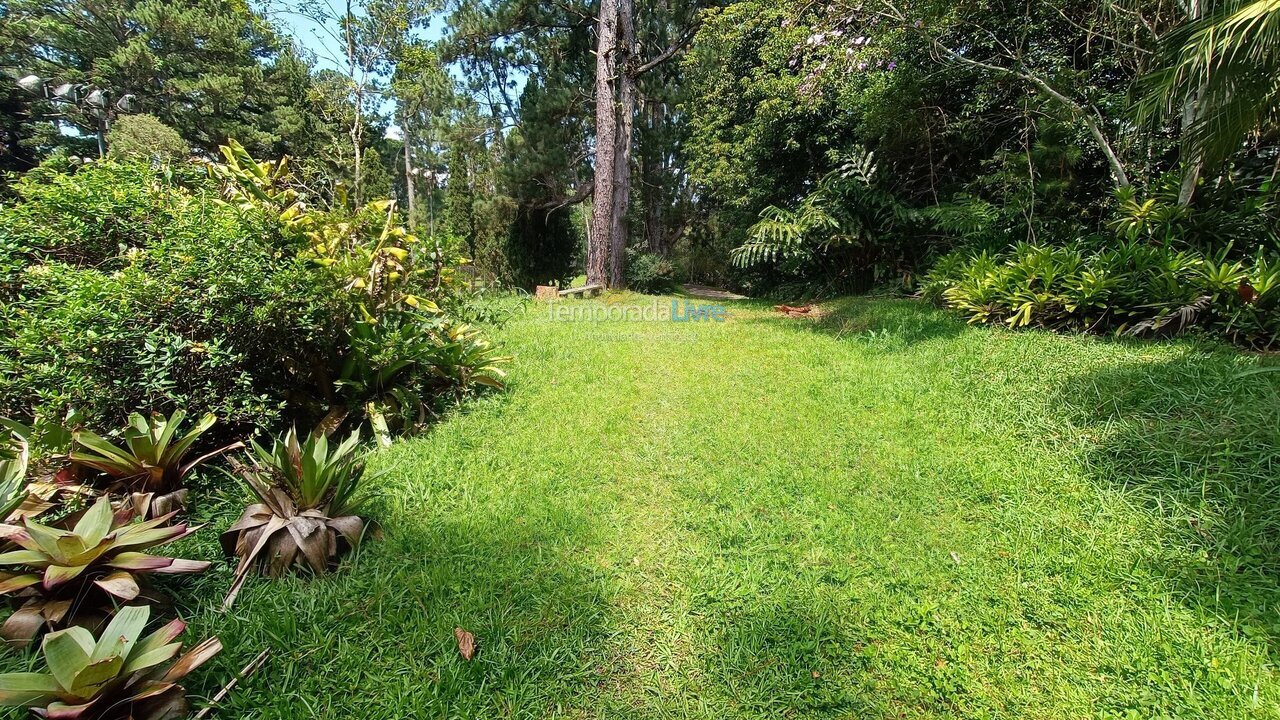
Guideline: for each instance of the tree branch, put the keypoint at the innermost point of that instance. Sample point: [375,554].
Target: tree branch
[1089,115]
[670,52]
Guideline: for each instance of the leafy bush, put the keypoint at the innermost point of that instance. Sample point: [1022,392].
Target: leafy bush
[130,288]
[1131,287]
[85,217]
[145,137]
[848,234]
[463,359]
[649,273]
[484,306]
[385,372]
[127,293]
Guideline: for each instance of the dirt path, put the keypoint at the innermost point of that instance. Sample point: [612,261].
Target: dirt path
[706,292]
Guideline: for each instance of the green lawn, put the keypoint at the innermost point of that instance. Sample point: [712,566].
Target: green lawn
[883,514]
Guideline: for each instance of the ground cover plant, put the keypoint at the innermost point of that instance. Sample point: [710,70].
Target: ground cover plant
[881,513]
[1117,286]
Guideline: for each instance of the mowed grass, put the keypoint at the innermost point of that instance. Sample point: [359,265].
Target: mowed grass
[881,514]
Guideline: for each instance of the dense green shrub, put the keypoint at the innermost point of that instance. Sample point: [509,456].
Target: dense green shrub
[123,292]
[144,137]
[1124,286]
[847,235]
[648,272]
[85,216]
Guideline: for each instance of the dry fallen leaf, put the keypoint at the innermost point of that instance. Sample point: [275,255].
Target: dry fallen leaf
[955,556]
[466,643]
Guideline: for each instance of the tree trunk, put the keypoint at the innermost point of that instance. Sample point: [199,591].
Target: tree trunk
[626,108]
[599,240]
[355,145]
[1191,114]
[408,178]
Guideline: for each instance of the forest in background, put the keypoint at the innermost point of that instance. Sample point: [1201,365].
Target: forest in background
[790,149]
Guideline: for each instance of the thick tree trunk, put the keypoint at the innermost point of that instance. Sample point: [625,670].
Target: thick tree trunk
[599,241]
[626,108]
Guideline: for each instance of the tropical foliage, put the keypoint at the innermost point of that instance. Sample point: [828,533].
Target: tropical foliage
[15,455]
[74,576]
[308,496]
[117,675]
[463,359]
[155,459]
[1129,287]
[991,124]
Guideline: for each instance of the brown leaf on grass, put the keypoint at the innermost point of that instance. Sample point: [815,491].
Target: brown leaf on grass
[466,643]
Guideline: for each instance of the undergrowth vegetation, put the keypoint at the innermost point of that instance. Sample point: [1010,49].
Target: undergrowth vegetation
[141,293]
[1127,286]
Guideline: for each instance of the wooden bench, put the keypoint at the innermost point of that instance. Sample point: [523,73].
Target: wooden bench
[584,291]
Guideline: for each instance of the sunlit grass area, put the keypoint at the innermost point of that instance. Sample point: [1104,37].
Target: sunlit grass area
[879,513]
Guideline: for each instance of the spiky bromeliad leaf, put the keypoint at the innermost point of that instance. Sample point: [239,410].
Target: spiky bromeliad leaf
[308,497]
[154,458]
[15,454]
[77,575]
[118,675]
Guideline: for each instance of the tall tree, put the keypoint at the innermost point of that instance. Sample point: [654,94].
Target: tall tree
[200,66]
[424,96]
[619,67]
[363,39]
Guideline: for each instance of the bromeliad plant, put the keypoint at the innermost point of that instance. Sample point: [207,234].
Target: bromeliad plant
[15,453]
[116,676]
[385,369]
[154,458]
[306,515]
[463,359]
[78,575]
[20,495]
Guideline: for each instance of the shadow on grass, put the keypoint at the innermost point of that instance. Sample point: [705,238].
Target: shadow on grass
[902,322]
[376,638]
[1200,446]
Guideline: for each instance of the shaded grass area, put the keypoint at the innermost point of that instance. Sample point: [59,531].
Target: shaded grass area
[882,513]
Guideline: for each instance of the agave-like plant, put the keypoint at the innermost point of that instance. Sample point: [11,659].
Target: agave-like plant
[308,497]
[78,575]
[116,676]
[154,459]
